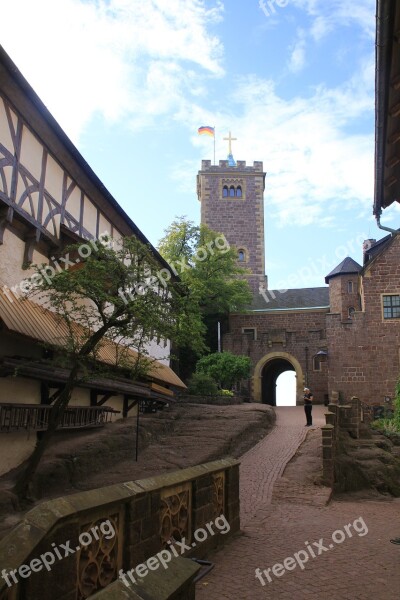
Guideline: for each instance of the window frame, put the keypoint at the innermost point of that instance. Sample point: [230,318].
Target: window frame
[392,306]
[247,330]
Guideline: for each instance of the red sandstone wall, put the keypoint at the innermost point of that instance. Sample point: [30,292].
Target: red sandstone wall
[289,332]
[364,353]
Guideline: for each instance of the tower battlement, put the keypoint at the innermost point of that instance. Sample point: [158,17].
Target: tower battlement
[224,164]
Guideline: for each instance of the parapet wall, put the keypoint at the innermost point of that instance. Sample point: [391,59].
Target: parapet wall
[144,516]
[206,165]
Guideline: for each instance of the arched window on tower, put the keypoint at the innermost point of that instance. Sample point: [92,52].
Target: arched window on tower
[239,191]
[232,191]
[241,256]
[225,191]
[351,312]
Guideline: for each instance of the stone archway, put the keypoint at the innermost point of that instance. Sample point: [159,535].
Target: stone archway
[267,371]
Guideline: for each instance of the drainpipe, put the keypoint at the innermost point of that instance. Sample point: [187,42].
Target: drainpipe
[378,221]
[306,349]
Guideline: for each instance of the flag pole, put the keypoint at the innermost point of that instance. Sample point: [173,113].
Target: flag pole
[214,145]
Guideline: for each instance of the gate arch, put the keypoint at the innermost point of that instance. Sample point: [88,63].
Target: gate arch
[270,367]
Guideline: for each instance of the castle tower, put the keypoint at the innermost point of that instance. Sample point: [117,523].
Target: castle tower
[232,203]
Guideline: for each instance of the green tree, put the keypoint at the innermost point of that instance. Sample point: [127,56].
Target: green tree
[207,266]
[117,294]
[225,368]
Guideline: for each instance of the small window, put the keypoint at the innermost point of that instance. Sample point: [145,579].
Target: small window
[350,287]
[241,256]
[238,191]
[391,307]
[225,191]
[232,191]
[351,312]
[316,363]
[250,331]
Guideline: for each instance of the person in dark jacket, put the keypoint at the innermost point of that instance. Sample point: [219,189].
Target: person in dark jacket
[308,400]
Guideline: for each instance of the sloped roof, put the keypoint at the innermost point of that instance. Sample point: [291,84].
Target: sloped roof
[348,266]
[38,323]
[376,248]
[301,299]
[387,99]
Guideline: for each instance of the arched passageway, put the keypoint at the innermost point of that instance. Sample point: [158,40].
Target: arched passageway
[270,373]
[267,371]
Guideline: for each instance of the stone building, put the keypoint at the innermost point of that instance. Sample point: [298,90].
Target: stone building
[50,198]
[342,339]
[364,339]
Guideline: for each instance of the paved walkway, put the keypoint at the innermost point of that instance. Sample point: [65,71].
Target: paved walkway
[354,564]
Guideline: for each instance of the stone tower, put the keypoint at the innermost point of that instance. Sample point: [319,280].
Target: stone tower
[232,203]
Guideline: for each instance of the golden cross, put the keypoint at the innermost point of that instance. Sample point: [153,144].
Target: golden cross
[230,139]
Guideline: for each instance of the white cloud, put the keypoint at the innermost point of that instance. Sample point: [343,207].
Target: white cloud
[115,58]
[316,160]
[326,16]
[298,53]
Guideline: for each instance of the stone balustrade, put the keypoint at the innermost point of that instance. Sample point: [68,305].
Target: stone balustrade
[145,515]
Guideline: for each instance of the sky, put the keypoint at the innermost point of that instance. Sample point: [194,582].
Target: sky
[131,81]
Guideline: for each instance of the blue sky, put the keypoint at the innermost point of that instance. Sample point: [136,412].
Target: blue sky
[131,81]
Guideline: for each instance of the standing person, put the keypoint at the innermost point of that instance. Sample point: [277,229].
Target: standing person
[308,400]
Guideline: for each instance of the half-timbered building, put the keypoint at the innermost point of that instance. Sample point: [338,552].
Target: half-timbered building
[51,198]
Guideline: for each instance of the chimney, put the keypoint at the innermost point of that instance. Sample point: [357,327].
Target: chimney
[367,244]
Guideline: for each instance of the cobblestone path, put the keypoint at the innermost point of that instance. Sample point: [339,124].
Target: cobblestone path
[364,566]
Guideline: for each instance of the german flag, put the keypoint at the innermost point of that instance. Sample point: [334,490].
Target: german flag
[206,130]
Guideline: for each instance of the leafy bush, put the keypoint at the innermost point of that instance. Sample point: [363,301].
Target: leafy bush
[225,368]
[391,425]
[201,384]
[386,425]
[226,393]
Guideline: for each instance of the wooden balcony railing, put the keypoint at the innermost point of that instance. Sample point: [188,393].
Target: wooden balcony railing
[14,417]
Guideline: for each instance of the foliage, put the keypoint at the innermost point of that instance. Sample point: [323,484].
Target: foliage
[225,368]
[385,425]
[207,264]
[201,384]
[208,268]
[391,426]
[226,393]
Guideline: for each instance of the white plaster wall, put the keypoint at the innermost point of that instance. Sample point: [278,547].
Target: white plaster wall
[11,259]
[80,397]
[19,390]
[5,134]
[15,448]
[31,153]
[117,402]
